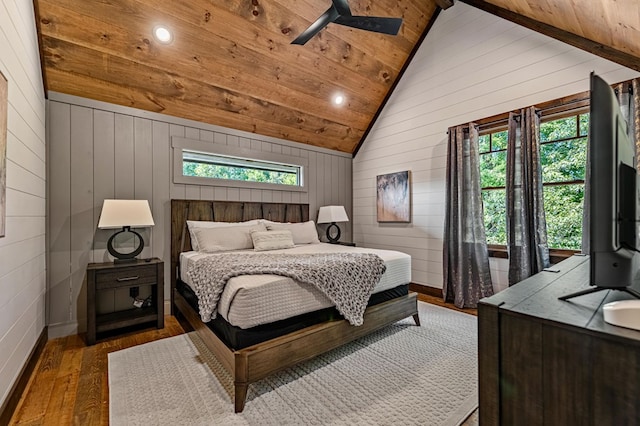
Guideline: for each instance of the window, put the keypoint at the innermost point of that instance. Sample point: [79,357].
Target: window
[563,153]
[223,167]
[493,175]
[196,163]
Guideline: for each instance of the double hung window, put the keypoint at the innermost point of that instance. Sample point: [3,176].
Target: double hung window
[563,150]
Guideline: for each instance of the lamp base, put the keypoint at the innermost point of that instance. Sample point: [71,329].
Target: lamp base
[125,257]
[333,235]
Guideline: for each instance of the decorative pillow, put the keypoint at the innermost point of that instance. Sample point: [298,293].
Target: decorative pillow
[193,224]
[303,233]
[272,240]
[226,238]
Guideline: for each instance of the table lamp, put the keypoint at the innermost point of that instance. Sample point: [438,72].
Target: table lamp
[125,214]
[332,214]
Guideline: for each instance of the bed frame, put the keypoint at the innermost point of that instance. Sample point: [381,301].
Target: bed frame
[260,360]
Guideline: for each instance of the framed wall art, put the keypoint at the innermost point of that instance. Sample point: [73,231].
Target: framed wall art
[393,199]
[3,152]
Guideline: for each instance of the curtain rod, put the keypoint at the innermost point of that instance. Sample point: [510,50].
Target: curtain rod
[541,111]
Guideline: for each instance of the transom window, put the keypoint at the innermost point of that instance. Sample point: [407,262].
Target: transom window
[205,165]
[216,164]
[563,153]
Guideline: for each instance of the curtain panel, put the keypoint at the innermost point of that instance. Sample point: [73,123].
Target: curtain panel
[526,223]
[467,277]
[629,100]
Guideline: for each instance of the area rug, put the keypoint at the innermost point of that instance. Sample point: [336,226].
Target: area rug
[401,375]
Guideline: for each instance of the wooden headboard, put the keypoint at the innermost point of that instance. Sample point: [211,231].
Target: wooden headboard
[223,211]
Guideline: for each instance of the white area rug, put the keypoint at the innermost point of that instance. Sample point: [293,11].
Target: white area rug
[401,375]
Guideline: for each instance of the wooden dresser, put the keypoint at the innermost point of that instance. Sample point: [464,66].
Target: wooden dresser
[543,361]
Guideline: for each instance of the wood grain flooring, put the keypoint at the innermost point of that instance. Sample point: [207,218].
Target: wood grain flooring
[70,387]
[438,301]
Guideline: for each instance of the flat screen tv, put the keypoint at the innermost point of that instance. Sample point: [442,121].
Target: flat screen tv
[613,196]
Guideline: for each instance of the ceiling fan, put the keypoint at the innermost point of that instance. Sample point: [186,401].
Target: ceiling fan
[340,13]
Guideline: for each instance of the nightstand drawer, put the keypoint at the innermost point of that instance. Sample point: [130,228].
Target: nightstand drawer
[126,277]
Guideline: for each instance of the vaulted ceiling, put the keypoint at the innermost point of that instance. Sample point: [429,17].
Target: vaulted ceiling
[231,62]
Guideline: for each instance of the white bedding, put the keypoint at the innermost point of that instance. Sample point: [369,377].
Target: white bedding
[252,300]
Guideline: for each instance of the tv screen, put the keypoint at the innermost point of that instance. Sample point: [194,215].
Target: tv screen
[613,199]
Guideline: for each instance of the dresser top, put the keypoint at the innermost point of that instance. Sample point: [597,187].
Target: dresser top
[537,297]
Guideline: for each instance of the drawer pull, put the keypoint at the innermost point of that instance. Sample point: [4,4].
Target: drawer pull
[128,278]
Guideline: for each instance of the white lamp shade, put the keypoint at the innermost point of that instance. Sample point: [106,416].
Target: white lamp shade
[330,214]
[119,213]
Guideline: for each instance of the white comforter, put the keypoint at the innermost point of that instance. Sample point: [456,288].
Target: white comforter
[252,300]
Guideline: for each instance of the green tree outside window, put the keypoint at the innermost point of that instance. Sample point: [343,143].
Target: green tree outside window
[218,167]
[563,159]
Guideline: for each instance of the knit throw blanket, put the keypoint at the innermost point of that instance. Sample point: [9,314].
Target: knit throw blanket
[347,279]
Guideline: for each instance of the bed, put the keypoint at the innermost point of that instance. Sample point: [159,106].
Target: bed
[249,348]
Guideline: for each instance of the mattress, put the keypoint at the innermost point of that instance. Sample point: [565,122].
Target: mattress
[251,300]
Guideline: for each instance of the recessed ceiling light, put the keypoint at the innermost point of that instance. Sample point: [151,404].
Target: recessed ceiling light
[338,99]
[162,34]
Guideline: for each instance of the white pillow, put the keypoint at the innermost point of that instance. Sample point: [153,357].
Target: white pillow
[226,238]
[272,240]
[303,233]
[193,224]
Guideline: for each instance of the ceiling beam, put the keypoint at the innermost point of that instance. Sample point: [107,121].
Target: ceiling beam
[574,40]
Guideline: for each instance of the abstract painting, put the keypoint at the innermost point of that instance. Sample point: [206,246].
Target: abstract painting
[394,197]
[3,152]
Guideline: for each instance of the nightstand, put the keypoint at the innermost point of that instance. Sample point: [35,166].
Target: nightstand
[344,243]
[109,276]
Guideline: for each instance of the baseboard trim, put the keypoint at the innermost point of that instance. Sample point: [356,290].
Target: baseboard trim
[425,289]
[19,386]
[64,329]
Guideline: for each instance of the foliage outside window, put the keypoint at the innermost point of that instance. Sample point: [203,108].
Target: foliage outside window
[223,167]
[563,159]
[206,163]
[563,154]
[493,175]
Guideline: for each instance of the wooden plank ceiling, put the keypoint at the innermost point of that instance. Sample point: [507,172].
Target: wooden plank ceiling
[231,62]
[607,28]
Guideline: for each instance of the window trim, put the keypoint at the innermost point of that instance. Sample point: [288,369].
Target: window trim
[179,144]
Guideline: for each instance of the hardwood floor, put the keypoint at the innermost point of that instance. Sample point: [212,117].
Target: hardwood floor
[70,384]
[438,301]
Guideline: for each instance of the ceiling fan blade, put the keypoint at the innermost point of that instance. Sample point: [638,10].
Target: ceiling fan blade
[372,23]
[329,16]
[342,7]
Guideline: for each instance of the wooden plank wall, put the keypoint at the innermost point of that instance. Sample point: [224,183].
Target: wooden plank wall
[22,249]
[99,151]
[471,65]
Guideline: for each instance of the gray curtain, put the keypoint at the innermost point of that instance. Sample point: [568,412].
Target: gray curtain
[629,99]
[467,278]
[526,224]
